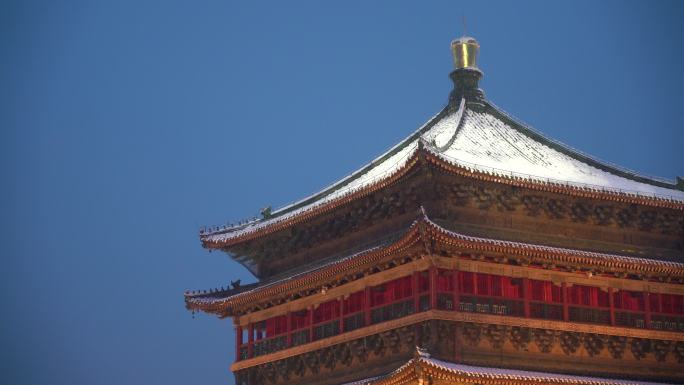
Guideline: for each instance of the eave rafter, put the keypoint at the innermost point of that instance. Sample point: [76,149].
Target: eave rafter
[425,237]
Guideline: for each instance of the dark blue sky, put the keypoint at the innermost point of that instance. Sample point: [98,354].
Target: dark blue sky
[128,124]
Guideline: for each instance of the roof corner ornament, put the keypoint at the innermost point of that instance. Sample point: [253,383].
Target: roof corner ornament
[466,74]
[680,182]
[266,212]
[421,377]
[235,284]
[421,353]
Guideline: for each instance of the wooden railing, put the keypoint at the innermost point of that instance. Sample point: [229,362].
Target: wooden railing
[667,322]
[394,310]
[354,321]
[588,314]
[630,318]
[327,329]
[270,345]
[546,310]
[491,305]
[300,337]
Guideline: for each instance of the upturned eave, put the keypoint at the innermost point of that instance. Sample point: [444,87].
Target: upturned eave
[424,231]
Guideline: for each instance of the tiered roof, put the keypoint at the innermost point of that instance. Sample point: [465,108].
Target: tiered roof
[220,301]
[483,143]
[474,139]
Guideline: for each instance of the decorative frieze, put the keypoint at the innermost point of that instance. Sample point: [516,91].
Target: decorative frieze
[452,191]
[616,346]
[466,336]
[544,339]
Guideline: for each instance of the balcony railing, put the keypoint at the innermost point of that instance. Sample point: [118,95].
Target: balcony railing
[270,345]
[546,310]
[355,321]
[461,302]
[392,311]
[326,330]
[445,301]
[589,315]
[630,319]
[491,305]
[667,322]
[300,337]
[243,353]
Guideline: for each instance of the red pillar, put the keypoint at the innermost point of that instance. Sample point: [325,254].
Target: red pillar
[566,300]
[250,341]
[238,341]
[611,303]
[341,305]
[433,287]
[475,284]
[367,306]
[526,297]
[416,291]
[288,328]
[454,283]
[660,303]
[647,309]
[311,324]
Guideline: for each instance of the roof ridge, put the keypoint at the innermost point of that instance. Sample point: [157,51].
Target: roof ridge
[339,184]
[385,155]
[459,119]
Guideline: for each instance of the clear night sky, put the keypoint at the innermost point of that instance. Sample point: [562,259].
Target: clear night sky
[126,125]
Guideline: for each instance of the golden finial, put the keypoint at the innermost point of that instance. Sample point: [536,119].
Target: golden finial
[465,50]
[465,75]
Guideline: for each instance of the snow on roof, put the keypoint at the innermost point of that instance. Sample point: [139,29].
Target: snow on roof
[525,375]
[505,374]
[487,143]
[483,141]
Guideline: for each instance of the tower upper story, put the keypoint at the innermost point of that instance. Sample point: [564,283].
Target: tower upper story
[476,237]
[572,198]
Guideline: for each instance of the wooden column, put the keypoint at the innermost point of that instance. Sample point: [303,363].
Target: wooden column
[341,305]
[238,341]
[433,287]
[475,284]
[367,306]
[611,303]
[526,297]
[311,324]
[288,328]
[647,310]
[416,293]
[566,300]
[660,303]
[250,341]
[457,295]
